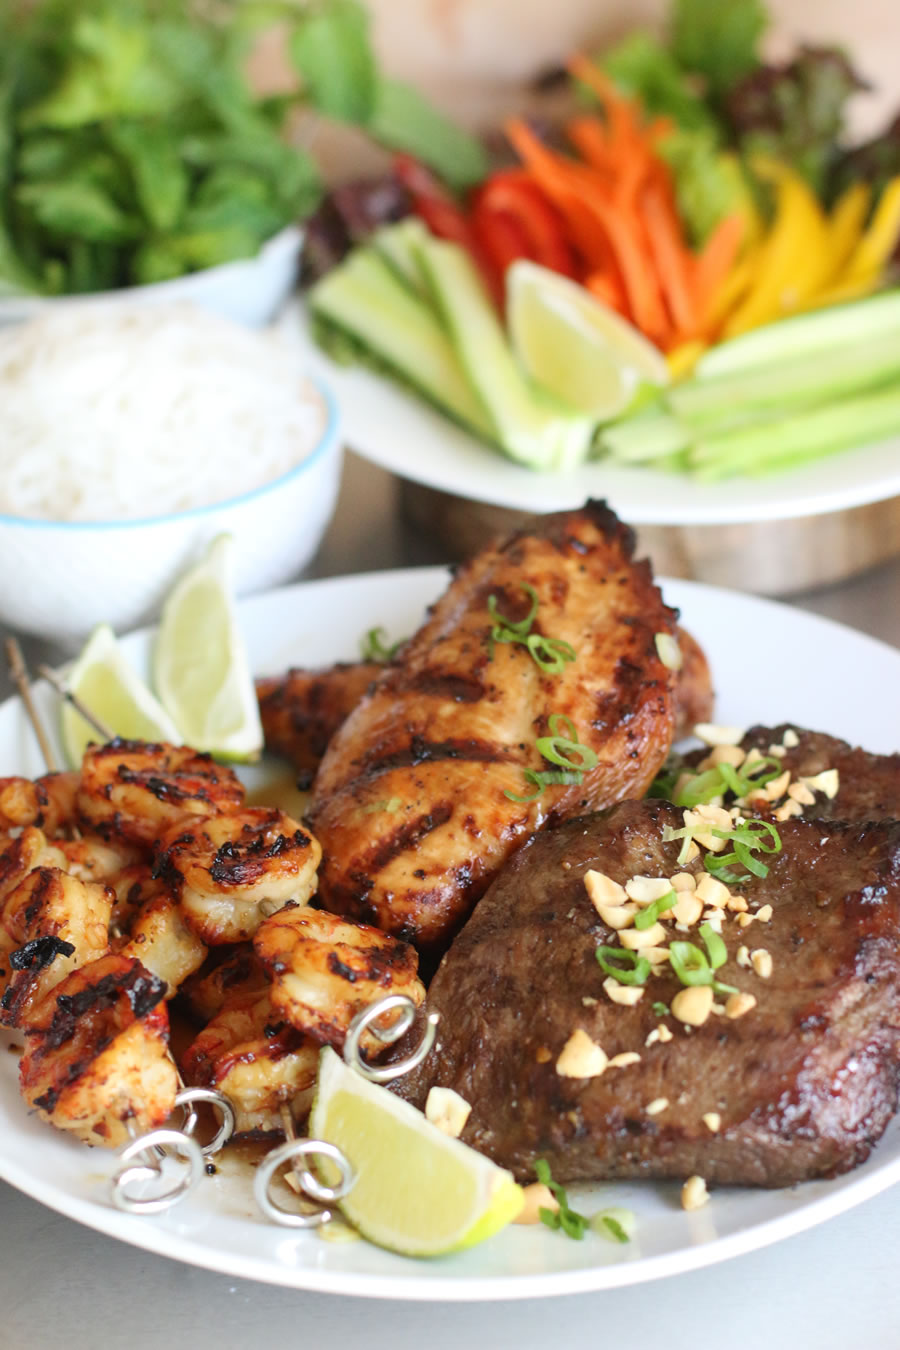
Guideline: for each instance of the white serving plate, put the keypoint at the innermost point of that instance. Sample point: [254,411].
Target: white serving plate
[838,680]
[398,431]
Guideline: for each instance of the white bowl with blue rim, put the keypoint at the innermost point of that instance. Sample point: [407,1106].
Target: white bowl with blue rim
[61,578]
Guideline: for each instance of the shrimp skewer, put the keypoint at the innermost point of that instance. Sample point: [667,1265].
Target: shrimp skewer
[229,871]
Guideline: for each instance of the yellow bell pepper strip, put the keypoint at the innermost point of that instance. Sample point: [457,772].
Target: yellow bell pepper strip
[844,290]
[880,239]
[682,359]
[793,258]
[846,224]
[731,291]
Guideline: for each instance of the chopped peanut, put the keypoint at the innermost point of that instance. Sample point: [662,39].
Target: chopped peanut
[694,1194]
[725,754]
[799,792]
[626,994]
[602,890]
[536,1197]
[743,956]
[447,1110]
[657,956]
[693,1004]
[624,1059]
[656,1106]
[712,891]
[737,904]
[687,909]
[790,738]
[581,1057]
[777,787]
[683,881]
[761,961]
[635,939]
[738,1004]
[764,913]
[788,809]
[617,916]
[712,734]
[542,1055]
[664,1033]
[828,781]
[713,1121]
[644,890]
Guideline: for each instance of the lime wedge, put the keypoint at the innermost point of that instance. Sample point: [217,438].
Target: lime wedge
[417,1191]
[200,666]
[577,348]
[106,684]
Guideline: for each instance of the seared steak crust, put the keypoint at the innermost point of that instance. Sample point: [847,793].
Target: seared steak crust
[804,1084]
[410,802]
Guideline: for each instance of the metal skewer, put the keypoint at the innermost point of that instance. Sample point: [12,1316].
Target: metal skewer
[19,675]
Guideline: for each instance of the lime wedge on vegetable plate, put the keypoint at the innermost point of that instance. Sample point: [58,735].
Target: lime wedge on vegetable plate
[200,666]
[106,684]
[417,1191]
[579,349]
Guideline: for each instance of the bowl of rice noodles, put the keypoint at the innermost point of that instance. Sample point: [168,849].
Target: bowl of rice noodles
[130,438]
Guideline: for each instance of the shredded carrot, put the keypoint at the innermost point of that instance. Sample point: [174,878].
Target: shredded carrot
[674,264]
[608,289]
[718,257]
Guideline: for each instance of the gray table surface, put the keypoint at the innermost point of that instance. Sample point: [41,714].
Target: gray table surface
[836,1286]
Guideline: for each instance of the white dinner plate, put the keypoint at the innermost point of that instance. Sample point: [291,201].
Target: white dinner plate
[771,663]
[385,423]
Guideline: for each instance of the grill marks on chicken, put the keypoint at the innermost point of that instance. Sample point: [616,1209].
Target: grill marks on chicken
[410,800]
[804,1084]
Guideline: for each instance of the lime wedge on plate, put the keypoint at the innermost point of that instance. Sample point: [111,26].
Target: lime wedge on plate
[106,684]
[417,1191]
[200,666]
[580,350]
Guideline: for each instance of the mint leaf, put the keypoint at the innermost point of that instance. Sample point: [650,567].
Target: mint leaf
[404,120]
[331,50]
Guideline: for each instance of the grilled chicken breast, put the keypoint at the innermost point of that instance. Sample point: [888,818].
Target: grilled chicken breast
[431,782]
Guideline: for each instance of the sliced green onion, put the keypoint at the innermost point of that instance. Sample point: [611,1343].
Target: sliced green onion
[660,1009]
[507,631]
[635,970]
[557,745]
[647,917]
[542,780]
[617,1224]
[374,647]
[689,963]
[551,654]
[715,947]
[565,1218]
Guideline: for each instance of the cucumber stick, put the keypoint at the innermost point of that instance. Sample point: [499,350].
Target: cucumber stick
[530,427]
[366,298]
[838,327]
[397,245]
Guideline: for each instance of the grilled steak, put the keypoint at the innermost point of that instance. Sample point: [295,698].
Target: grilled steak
[415,800]
[800,1086]
[868,785]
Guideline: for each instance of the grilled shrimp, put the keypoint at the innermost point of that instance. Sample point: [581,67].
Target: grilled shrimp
[256,1060]
[325,970]
[22,854]
[96,1059]
[138,790]
[92,858]
[236,972]
[58,924]
[163,943]
[48,802]
[228,871]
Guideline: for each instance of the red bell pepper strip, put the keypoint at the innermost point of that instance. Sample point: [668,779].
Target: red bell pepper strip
[446,219]
[499,234]
[514,195]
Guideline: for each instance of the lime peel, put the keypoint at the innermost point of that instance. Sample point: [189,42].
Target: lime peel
[417,1191]
[574,346]
[108,686]
[200,665]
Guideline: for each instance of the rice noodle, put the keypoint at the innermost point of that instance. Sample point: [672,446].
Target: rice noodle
[114,413]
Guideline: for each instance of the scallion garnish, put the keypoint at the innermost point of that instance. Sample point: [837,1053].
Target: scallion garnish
[692,967]
[648,916]
[616,1224]
[716,950]
[374,647]
[703,788]
[568,1220]
[635,970]
[550,654]
[660,1009]
[555,748]
[752,835]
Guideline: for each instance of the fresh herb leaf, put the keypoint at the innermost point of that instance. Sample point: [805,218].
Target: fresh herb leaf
[331,49]
[615,1224]
[557,749]
[403,120]
[660,1009]
[692,967]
